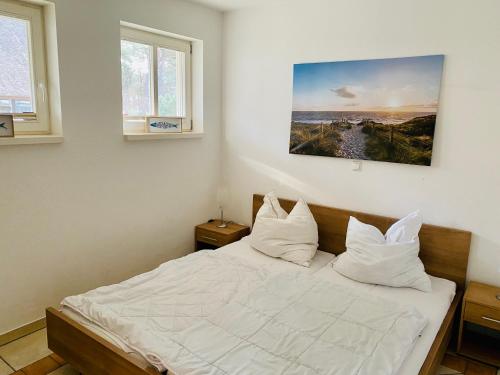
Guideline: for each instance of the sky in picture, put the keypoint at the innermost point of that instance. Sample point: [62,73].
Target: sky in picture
[409,84]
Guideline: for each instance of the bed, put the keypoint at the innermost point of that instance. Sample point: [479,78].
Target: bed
[444,252]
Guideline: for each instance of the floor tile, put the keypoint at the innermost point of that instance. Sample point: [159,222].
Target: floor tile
[477,369]
[58,359]
[5,369]
[41,367]
[65,370]
[26,350]
[447,371]
[455,363]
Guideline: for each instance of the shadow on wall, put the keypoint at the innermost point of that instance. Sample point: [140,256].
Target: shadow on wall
[303,189]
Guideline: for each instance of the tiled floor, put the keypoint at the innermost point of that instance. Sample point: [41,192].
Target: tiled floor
[455,365]
[30,356]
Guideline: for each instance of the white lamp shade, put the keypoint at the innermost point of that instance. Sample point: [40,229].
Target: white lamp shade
[222,196]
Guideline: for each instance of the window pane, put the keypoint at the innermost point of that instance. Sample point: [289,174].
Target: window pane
[136,79]
[15,70]
[170,82]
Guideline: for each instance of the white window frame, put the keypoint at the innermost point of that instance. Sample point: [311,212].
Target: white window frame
[184,100]
[37,122]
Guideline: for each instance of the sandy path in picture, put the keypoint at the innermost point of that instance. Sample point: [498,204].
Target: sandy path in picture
[353,143]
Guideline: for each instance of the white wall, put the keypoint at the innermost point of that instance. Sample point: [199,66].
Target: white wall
[97,209]
[462,187]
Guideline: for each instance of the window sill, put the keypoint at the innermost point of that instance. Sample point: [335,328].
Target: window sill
[155,136]
[31,140]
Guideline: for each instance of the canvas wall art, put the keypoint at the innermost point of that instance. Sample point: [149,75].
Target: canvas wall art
[383,110]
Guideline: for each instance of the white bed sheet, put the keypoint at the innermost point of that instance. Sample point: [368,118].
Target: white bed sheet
[241,249]
[433,306]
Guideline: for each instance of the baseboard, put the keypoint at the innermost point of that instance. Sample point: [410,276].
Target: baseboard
[22,331]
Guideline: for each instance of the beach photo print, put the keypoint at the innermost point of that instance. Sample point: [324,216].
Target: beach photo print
[382,110]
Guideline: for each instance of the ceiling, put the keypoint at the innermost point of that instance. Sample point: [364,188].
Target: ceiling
[226,5]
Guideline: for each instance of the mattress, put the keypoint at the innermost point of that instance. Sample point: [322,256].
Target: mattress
[240,249]
[433,306]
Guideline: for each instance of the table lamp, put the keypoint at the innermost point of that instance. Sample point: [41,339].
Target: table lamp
[222,197]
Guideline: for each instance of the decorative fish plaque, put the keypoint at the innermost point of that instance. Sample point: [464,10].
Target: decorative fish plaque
[164,124]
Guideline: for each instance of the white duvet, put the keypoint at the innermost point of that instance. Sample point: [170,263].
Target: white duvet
[210,313]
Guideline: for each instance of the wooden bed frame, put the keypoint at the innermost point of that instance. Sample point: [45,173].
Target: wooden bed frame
[444,252]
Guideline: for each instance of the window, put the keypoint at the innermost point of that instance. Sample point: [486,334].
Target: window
[23,81]
[156,77]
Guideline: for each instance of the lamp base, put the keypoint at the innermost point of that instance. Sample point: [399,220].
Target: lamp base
[222,224]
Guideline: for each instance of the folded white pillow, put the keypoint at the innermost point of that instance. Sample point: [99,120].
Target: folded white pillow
[293,237]
[391,260]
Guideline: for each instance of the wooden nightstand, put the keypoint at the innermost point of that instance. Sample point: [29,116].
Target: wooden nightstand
[479,335]
[208,236]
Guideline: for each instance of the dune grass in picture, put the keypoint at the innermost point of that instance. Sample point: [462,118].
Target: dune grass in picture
[383,110]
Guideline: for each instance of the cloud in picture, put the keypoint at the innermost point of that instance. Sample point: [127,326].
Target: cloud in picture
[344,92]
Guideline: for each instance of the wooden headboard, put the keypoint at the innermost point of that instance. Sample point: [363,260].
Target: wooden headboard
[444,251]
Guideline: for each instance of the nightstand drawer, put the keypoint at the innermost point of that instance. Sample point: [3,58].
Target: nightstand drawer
[482,315]
[210,237]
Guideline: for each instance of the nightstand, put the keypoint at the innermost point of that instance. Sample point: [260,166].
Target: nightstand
[208,236]
[479,335]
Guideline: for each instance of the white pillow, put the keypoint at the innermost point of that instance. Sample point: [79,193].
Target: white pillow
[293,237]
[391,260]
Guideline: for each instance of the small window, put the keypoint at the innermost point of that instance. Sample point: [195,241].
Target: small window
[23,81]
[156,77]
